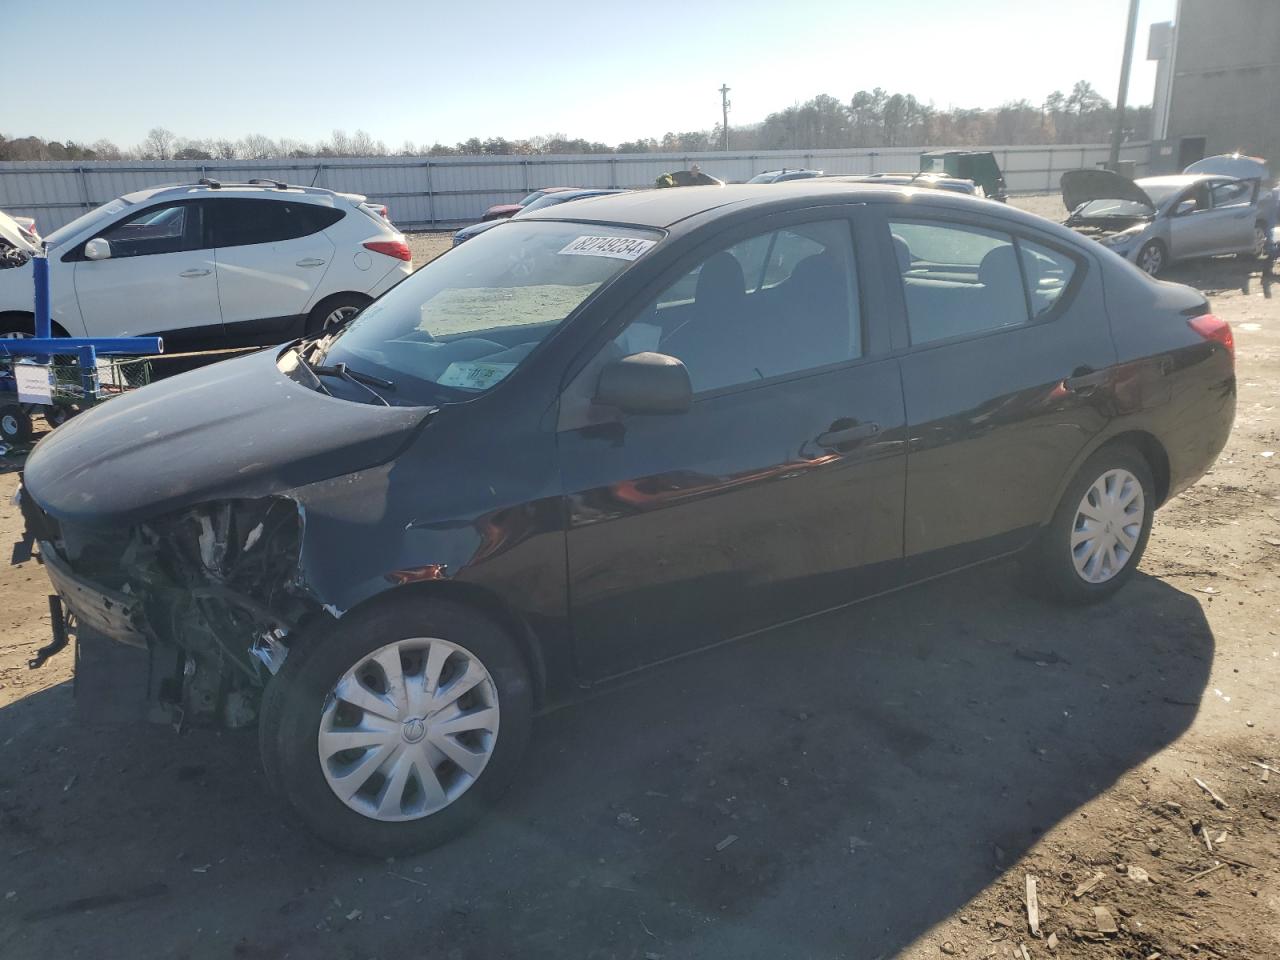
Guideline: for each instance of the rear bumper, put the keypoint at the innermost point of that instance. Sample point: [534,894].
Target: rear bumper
[391,278]
[117,615]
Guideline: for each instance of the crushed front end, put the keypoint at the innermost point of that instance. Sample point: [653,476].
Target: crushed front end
[212,592]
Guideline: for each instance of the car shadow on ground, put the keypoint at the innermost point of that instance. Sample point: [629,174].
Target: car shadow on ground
[833,789]
[1217,274]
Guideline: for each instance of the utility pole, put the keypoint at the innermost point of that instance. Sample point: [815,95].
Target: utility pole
[724,109]
[1118,133]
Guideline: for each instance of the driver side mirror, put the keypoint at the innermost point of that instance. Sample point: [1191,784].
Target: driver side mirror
[1184,207]
[97,249]
[647,383]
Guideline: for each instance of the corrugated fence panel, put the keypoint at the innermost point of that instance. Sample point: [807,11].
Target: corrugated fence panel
[424,192]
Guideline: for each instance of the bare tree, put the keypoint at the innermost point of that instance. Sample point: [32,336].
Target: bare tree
[159,144]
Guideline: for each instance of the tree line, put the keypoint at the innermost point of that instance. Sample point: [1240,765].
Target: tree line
[871,118]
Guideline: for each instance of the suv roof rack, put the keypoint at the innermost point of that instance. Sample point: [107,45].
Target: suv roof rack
[209,182]
[278,184]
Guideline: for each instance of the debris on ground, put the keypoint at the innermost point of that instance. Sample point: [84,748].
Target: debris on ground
[726,842]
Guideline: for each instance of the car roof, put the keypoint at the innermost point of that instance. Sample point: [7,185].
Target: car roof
[664,208]
[172,191]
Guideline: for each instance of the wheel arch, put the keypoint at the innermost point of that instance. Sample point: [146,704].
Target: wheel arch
[1145,443]
[323,305]
[487,604]
[26,316]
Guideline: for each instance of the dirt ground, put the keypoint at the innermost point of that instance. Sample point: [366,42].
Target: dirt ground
[876,783]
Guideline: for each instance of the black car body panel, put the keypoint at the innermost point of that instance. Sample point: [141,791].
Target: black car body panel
[615,540]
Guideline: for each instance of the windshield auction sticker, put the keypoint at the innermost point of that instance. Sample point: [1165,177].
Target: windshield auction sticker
[619,248]
[474,374]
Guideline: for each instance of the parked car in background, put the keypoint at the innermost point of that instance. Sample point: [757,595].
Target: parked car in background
[977,165]
[602,437]
[500,211]
[27,225]
[212,264]
[783,175]
[16,243]
[550,200]
[693,177]
[931,181]
[1155,221]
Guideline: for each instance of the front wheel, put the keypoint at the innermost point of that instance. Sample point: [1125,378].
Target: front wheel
[1152,258]
[392,730]
[1099,532]
[332,312]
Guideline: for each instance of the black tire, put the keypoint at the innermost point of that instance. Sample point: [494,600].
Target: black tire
[15,424]
[1152,258]
[291,712]
[1049,567]
[24,324]
[320,317]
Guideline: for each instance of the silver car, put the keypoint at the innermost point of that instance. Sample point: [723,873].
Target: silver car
[1157,220]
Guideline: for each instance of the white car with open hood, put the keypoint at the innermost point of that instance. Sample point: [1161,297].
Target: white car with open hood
[210,265]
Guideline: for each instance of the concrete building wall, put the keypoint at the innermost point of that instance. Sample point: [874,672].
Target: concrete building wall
[1226,83]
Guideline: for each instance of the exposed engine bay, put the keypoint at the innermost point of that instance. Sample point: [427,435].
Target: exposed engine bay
[212,592]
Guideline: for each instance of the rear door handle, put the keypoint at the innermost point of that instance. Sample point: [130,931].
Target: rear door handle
[311,262]
[189,274]
[1085,381]
[848,435]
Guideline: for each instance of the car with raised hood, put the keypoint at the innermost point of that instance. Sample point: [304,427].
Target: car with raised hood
[212,264]
[980,166]
[605,435]
[1156,221]
[550,200]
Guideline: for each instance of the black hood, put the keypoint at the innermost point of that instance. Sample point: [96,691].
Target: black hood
[239,428]
[1081,186]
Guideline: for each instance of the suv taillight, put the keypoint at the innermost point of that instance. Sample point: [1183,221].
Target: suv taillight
[1215,329]
[391,248]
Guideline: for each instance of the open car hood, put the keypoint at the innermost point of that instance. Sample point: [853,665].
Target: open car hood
[14,235]
[1233,165]
[1081,186]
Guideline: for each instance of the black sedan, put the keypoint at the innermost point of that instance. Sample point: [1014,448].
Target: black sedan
[605,436]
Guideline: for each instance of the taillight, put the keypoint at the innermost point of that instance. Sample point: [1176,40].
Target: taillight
[1215,329]
[391,248]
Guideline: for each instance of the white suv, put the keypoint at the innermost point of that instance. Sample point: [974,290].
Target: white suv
[209,264]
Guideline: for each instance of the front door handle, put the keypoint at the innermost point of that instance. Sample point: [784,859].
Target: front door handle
[848,435]
[189,274]
[1084,381]
[311,262]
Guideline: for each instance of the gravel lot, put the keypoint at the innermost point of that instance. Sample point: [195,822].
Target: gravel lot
[891,774]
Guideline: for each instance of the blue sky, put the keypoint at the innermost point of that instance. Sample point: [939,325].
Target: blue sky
[428,71]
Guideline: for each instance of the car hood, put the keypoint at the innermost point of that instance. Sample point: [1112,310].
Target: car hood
[239,428]
[1232,165]
[1081,186]
[505,209]
[14,234]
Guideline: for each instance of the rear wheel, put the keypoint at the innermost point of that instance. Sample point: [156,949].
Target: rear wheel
[1099,532]
[1152,258]
[392,730]
[333,312]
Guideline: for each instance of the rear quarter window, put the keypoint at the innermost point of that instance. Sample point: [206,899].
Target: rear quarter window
[240,222]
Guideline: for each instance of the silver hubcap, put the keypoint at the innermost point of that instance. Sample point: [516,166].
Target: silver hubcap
[337,316]
[9,423]
[1108,524]
[408,729]
[1151,260]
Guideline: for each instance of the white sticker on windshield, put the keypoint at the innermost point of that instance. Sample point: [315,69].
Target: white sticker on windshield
[474,374]
[619,248]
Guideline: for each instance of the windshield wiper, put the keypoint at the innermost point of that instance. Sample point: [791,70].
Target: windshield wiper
[365,380]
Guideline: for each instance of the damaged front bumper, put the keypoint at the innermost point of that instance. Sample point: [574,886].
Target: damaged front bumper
[217,585]
[109,612]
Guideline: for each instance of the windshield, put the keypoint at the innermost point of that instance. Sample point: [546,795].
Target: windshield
[550,200]
[1113,208]
[79,223]
[466,320]
[763,178]
[532,197]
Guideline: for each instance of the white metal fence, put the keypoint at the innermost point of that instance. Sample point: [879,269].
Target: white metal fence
[424,192]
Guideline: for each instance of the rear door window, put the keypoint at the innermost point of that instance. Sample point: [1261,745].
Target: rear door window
[958,280]
[238,222]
